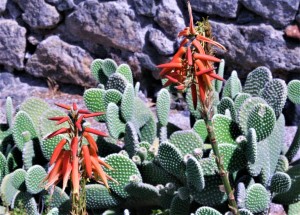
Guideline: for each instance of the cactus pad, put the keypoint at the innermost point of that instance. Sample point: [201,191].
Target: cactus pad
[239,99]
[194,174]
[218,84]
[117,81]
[179,207]
[256,80]
[200,128]
[23,199]
[262,119]
[207,211]
[109,67]
[112,95]
[7,190]
[23,123]
[232,86]
[130,139]
[127,103]
[59,199]
[163,106]
[280,182]
[124,169]
[98,197]
[125,70]
[226,130]
[251,146]
[293,91]
[34,179]
[18,179]
[275,94]
[9,111]
[186,141]
[142,191]
[257,198]
[94,101]
[114,124]
[171,159]
[227,103]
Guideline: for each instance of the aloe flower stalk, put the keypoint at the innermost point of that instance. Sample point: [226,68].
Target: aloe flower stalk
[80,162]
[193,67]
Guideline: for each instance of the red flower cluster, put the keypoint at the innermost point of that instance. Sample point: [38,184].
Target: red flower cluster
[191,66]
[80,160]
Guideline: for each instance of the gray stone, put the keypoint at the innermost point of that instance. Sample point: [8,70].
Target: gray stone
[145,7]
[12,44]
[39,14]
[62,5]
[170,18]
[3,5]
[162,44]
[226,9]
[279,12]
[110,23]
[62,62]
[252,46]
[298,18]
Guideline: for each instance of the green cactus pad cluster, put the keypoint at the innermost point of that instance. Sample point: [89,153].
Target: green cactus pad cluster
[25,200]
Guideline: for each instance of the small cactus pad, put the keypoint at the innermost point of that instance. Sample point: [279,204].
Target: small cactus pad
[94,101]
[131,139]
[239,100]
[257,198]
[23,123]
[109,67]
[171,159]
[97,72]
[275,94]
[148,131]
[232,86]
[262,119]
[124,171]
[28,154]
[280,182]
[251,146]
[282,164]
[116,81]
[127,103]
[98,197]
[112,95]
[207,211]
[34,179]
[256,80]
[163,106]
[25,200]
[294,208]
[125,70]
[18,179]
[245,110]
[114,124]
[294,91]
[226,130]
[9,111]
[194,173]
[186,141]
[227,103]
[53,211]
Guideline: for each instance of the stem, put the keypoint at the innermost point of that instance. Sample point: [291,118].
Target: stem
[222,172]
[79,202]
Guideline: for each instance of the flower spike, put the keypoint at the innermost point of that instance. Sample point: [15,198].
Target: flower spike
[94,131]
[59,131]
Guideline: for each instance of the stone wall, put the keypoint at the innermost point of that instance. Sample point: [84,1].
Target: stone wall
[58,39]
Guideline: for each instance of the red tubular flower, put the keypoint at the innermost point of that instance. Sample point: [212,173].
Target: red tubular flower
[87,160]
[81,160]
[192,65]
[57,151]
